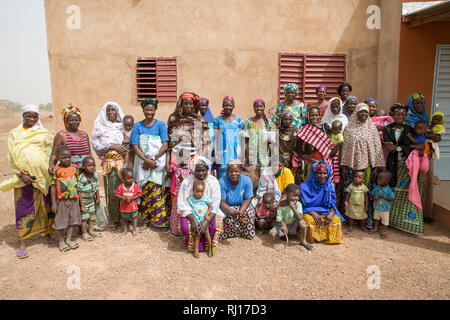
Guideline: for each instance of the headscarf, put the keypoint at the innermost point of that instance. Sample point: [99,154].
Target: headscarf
[148,101]
[201,160]
[67,111]
[105,132]
[266,121]
[345,111]
[31,108]
[321,86]
[208,114]
[413,116]
[397,106]
[329,117]
[318,197]
[362,145]
[437,127]
[291,85]
[228,98]
[371,99]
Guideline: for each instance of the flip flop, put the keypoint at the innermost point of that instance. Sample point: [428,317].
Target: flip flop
[65,247]
[72,245]
[22,254]
[96,235]
[88,237]
[383,235]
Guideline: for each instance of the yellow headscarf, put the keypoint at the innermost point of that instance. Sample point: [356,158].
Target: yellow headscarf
[67,111]
[437,127]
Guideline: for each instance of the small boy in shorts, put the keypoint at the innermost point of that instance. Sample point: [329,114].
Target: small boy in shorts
[128,192]
[65,199]
[382,196]
[89,194]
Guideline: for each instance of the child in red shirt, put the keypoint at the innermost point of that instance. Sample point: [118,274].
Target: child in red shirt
[128,192]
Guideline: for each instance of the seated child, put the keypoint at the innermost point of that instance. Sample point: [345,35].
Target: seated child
[436,126]
[201,206]
[128,123]
[357,200]
[65,200]
[89,194]
[128,192]
[337,137]
[382,196]
[420,129]
[264,214]
[289,217]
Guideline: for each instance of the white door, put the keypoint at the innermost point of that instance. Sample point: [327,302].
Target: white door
[441,96]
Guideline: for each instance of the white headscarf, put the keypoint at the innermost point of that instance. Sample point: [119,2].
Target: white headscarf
[329,116]
[31,108]
[105,132]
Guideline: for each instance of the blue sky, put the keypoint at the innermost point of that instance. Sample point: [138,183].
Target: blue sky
[24,70]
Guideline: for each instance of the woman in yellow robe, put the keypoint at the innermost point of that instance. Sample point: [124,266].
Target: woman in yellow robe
[29,148]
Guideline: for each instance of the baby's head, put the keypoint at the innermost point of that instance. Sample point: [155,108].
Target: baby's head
[127,176]
[436,119]
[380,113]
[292,192]
[384,177]
[336,127]
[128,123]
[198,188]
[64,156]
[359,177]
[268,200]
[420,127]
[88,164]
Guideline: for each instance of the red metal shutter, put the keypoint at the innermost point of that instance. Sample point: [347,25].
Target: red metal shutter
[166,72]
[290,70]
[326,69]
[145,78]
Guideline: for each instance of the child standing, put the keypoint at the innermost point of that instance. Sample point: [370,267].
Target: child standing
[65,200]
[382,196]
[201,206]
[357,200]
[289,216]
[264,215]
[128,192]
[90,198]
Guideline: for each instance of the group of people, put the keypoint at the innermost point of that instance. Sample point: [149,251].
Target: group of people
[209,178]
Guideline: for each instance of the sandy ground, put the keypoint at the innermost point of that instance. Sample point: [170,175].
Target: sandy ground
[155,265]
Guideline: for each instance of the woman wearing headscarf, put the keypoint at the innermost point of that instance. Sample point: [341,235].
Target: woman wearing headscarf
[403,215]
[321,92]
[349,106]
[257,130]
[236,196]
[299,110]
[107,141]
[320,213]
[149,140]
[287,134]
[417,105]
[207,115]
[313,145]
[29,147]
[334,112]
[75,139]
[227,144]
[373,105]
[361,150]
[200,168]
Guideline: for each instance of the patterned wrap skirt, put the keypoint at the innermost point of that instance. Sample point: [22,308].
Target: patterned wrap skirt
[215,230]
[155,205]
[331,234]
[240,226]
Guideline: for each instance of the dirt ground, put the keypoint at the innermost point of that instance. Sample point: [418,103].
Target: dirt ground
[155,265]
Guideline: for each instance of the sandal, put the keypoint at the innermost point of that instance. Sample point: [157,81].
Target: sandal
[87,237]
[96,235]
[349,229]
[72,245]
[383,235]
[364,229]
[22,254]
[64,247]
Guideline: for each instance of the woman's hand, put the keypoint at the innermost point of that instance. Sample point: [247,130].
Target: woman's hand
[329,217]
[317,218]
[151,163]
[26,179]
[390,147]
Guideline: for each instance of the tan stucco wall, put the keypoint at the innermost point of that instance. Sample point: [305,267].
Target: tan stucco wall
[223,48]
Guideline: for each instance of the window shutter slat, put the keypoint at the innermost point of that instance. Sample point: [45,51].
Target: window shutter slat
[145,78]
[167,79]
[290,70]
[156,78]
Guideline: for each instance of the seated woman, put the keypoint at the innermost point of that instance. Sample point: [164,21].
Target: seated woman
[237,193]
[200,167]
[318,199]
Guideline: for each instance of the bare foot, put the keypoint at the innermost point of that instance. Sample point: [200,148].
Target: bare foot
[196,255]
[134,232]
[124,231]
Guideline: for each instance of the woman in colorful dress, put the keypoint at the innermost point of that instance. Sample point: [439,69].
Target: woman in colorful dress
[107,141]
[287,134]
[258,132]
[322,103]
[320,213]
[77,140]
[404,215]
[184,145]
[236,196]
[361,150]
[298,109]
[227,144]
[29,147]
[149,140]
[313,145]
[200,168]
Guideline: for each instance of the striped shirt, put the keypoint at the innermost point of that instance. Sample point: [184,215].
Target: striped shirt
[77,146]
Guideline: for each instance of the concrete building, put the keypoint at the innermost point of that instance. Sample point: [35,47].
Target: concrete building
[217,48]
